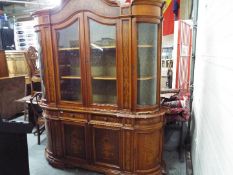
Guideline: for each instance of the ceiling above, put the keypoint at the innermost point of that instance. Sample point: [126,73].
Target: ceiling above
[24,8]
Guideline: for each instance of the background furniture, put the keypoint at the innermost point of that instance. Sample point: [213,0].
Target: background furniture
[16,63]
[177,114]
[37,114]
[11,89]
[101,67]
[3,65]
[34,72]
[13,147]
[17,66]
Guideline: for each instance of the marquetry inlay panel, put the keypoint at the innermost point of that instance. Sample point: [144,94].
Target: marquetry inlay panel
[75,141]
[106,143]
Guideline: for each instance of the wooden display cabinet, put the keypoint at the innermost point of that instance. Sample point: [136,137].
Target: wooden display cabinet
[101,72]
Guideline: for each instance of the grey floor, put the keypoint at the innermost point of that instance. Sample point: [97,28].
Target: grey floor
[39,165]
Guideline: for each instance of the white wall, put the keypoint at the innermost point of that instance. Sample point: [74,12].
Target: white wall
[212,147]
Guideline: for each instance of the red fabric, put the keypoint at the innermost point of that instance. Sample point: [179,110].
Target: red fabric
[178,106]
[168,21]
[184,48]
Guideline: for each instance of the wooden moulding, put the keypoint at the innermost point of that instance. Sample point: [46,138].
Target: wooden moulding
[148,8]
[108,9]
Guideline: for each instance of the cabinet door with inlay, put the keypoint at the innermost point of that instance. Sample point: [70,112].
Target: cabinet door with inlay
[75,141]
[106,146]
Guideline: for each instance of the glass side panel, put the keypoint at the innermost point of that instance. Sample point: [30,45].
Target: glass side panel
[69,62]
[147,64]
[103,62]
[41,65]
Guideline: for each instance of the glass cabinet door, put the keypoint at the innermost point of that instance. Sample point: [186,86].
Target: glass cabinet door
[147,64]
[69,62]
[103,62]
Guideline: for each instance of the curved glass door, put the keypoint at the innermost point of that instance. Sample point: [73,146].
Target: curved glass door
[103,62]
[69,62]
[147,64]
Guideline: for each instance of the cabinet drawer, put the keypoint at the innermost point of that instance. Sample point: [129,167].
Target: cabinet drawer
[72,115]
[112,119]
[148,121]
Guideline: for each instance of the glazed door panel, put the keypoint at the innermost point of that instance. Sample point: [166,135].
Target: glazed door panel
[146,63]
[146,57]
[101,49]
[69,45]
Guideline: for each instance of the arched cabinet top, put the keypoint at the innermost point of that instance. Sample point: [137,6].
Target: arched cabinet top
[104,8]
[68,8]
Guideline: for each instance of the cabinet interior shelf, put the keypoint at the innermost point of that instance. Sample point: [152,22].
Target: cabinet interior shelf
[146,78]
[104,78]
[94,46]
[71,77]
[101,47]
[145,46]
[67,49]
[94,78]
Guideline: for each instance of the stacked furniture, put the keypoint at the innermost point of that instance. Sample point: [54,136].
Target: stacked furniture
[101,73]
[11,89]
[16,62]
[13,147]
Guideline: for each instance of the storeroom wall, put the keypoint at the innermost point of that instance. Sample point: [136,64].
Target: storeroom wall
[212,143]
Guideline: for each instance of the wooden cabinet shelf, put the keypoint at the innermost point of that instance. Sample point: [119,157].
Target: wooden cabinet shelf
[69,49]
[145,78]
[94,46]
[145,46]
[102,108]
[71,77]
[104,78]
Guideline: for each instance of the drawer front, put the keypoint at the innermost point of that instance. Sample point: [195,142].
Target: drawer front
[112,119]
[72,115]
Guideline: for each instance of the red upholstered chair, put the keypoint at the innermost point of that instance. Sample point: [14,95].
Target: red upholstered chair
[178,112]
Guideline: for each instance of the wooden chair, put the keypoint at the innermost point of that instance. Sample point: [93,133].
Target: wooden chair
[34,72]
[37,114]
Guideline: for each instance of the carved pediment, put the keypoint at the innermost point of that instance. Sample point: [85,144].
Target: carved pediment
[108,8]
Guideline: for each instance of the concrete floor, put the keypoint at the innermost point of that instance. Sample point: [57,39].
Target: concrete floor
[39,165]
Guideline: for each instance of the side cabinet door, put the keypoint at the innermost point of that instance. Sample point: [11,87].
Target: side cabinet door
[75,141]
[75,137]
[106,144]
[147,73]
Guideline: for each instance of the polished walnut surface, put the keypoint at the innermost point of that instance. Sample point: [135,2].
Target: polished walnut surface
[101,72]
